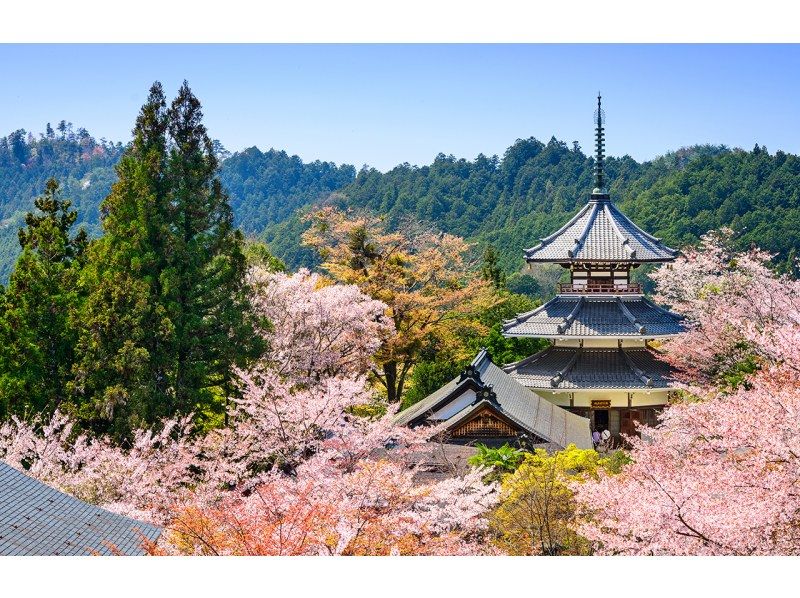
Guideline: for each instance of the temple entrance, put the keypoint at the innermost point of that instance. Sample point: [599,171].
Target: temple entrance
[600,419]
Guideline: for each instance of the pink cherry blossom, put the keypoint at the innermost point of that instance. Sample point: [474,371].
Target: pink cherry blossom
[719,474]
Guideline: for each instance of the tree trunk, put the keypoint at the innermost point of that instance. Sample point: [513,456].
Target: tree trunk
[390,373]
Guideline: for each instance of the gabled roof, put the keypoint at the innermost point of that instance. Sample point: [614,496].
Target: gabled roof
[599,232]
[520,405]
[572,368]
[613,316]
[36,519]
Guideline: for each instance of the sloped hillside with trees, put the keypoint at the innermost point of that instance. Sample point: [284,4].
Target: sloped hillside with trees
[512,202]
[83,165]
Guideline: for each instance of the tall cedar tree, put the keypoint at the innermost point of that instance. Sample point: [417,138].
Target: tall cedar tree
[37,328]
[166,317]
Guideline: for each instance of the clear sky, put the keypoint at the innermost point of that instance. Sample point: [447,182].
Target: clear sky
[386,104]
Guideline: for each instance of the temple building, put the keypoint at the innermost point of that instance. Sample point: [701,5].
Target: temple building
[599,372]
[484,404]
[599,363]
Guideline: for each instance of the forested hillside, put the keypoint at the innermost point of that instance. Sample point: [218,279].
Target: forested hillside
[265,187]
[83,166]
[509,202]
[514,201]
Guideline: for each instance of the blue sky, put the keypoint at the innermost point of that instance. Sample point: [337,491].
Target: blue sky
[386,104]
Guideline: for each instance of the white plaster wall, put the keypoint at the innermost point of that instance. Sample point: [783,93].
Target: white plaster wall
[599,343]
[618,398]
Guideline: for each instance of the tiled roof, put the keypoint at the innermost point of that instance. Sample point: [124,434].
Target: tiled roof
[600,233]
[572,368]
[36,519]
[530,411]
[596,316]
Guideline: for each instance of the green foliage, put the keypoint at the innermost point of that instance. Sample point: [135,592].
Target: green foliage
[490,270]
[257,253]
[537,511]
[166,318]
[266,187]
[372,410]
[83,165]
[501,460]
[38,327]
[512,202]
[429,376]
[736,375]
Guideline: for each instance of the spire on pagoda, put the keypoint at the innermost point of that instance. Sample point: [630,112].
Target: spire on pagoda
[599,191]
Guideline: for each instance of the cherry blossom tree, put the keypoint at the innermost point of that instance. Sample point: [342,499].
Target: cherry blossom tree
[719,474]
[295,472]
[141,481]
[374,507]
[316,329]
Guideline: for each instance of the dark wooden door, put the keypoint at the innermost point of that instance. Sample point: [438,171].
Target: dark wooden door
[628,418]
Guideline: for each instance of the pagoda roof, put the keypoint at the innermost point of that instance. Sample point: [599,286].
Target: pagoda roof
[599,232]
[505,396]
[36,519]
[610,316]
[572,368]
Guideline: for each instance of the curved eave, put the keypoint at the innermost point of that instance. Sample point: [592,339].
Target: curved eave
[569,261]
[605,389]
[576,316]
[614,337]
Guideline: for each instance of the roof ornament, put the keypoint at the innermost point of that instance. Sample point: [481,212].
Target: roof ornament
[486,394]
[472,373]
[599,191]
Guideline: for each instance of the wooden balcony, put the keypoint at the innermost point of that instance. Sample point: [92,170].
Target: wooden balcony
[611,289]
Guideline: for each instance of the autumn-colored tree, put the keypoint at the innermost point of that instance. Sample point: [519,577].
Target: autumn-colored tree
[432,293]
[719,474]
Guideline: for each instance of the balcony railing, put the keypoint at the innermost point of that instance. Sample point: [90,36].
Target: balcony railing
[614,289]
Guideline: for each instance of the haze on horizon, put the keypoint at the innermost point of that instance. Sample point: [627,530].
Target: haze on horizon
[383,105]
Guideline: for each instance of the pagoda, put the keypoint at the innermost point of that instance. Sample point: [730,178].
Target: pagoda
[599,364]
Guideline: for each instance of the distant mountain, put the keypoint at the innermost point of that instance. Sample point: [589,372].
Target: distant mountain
[510,202]
[265,187]
[514,201]
[83,166]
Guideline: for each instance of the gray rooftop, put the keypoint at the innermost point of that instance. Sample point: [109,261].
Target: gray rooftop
[522,406]
[599,232]
[596,316]
[36,519]
[572,368]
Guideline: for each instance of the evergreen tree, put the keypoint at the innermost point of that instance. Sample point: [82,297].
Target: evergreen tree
[37,328]
[123,377]
[491,270]
[167,316]
[206,295]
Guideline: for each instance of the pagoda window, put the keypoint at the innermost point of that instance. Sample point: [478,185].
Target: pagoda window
[600,277]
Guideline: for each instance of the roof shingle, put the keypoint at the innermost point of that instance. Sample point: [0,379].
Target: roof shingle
[36,519]
[599,232]
[596,316]
[533,413]
[573,368]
